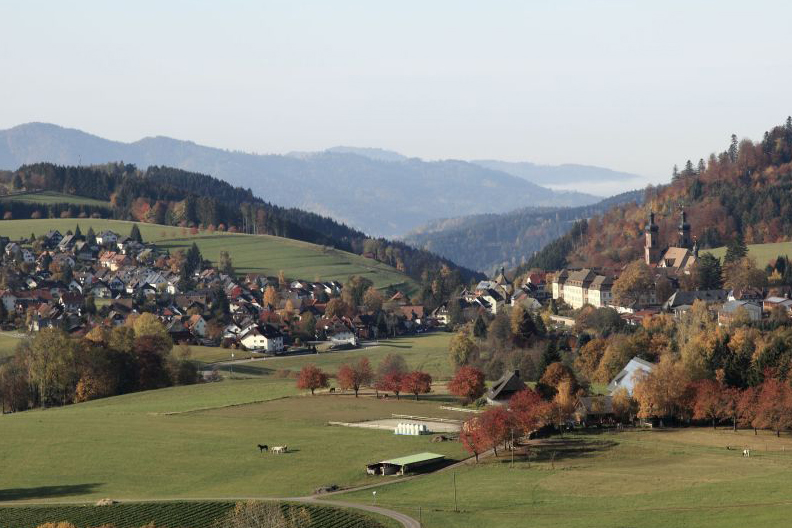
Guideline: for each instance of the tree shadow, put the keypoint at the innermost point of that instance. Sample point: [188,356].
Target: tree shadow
[44,492]
[559,449]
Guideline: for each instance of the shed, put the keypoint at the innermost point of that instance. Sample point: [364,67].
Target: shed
[405,464]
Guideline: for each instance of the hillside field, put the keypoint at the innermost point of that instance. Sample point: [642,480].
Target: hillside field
[51,197]
[636,479]
[427,352]
[263,254]
[763,253]
[199,442]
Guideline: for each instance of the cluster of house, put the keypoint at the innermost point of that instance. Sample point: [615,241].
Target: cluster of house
[58,274]
[495,294]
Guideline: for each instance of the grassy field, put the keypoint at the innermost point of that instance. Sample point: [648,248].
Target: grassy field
[178,514]
[427,352]
[763,253]
[640,479]
[251,254]
[199,442]
[8,343]
[51,197]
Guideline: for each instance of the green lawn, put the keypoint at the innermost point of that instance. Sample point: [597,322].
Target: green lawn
[51,197]
[9,342]
[200,442]
[763,253]
[250,253]
[646,479]
[427,352]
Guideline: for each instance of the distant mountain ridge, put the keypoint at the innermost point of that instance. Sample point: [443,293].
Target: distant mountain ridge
[377,191]
[487,242]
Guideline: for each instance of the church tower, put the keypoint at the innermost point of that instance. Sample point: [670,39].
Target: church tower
[652,245]
[684,232]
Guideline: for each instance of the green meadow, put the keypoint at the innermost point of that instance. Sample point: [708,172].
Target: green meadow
[52,197]
[762,253]
[635,479]
[9,342]
[263,254]
[199,442]
[427,352]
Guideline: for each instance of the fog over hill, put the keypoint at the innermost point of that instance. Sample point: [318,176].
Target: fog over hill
[377,191]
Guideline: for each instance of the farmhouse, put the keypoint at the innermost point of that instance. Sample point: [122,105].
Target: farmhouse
[594,409]
[403,465]
[265,337]
[507,386]
[628,376]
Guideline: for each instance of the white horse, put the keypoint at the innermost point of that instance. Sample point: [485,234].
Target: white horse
[746,453]
[279,449]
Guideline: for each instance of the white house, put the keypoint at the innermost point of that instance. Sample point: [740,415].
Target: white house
[107,237]
[343,337]
[264,338]
[628,376]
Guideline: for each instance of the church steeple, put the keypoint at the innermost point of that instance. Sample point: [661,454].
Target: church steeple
[684,231]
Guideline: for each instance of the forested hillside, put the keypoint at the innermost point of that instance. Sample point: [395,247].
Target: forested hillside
[487,242]
[381,192]
[746,190]
[170,196]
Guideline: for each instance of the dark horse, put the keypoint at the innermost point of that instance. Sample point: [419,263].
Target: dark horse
[263,448]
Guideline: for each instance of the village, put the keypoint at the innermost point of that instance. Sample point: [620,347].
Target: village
[75,282]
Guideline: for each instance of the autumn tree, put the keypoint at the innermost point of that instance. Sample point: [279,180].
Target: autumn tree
[748,408]
[495,425]
[472,437]
[468,384]
[337,308]
[775,406]
[373,299]
[636,280]
[528,410]
[709,403]
[271,296]
[624,406]
[554,376]
[311,377]
[523,327]
[355,375]
[743,273]
[225,264]
[390,374]
[661,392]
[416,383]
[462,349]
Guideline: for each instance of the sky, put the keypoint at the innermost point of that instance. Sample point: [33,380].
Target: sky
[633,86]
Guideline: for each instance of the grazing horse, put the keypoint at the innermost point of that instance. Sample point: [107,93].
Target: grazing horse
[746,452]
[263,448]
[280,449]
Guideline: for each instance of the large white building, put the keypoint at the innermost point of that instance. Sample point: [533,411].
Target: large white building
[582,287]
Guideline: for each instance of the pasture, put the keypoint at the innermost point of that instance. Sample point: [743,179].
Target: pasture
[636,479]
[9,342]
[262,254]
[199,442]
[762,253]
[427,352]
[52,197]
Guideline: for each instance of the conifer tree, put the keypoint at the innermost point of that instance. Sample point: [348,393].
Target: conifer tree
[135,235]
[736,249]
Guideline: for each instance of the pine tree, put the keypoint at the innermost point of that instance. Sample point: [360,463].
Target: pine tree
[135,235]
[550,355]
[77,232]
[675,174]
[480,328]
[701,166]
[733,149]
[90,237]
[736,250]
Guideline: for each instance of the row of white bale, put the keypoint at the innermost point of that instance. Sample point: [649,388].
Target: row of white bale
[411,429]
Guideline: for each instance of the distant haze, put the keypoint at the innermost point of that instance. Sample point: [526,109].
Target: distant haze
[633,86]
[376,191]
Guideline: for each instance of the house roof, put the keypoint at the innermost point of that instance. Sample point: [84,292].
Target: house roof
[678,257]
[597,404]
[507,385]
[413,459]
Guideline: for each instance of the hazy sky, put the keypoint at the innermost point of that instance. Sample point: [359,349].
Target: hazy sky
[634,85]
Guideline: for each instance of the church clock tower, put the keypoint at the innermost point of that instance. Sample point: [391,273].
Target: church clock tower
[652,246]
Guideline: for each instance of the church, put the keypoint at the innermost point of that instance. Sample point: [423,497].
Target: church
[680,257]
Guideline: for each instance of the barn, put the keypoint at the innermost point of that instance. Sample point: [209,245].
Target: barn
[403,465]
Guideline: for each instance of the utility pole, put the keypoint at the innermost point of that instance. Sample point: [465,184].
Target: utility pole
[512,447]
[456,507]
